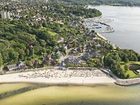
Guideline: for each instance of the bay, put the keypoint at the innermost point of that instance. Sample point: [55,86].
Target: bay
[126,23]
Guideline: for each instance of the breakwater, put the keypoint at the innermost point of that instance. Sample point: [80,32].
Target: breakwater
[127,82]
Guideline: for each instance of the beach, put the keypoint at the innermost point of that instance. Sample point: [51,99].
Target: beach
[59,77]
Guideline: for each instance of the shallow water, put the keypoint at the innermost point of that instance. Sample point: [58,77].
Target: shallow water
[126,22]
[77,95]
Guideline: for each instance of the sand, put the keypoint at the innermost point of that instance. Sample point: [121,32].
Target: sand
[44,77]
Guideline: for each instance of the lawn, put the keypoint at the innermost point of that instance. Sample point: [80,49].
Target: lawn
[129,72]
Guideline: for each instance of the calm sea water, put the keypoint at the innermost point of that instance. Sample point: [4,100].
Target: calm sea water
[77,95]
[126,22]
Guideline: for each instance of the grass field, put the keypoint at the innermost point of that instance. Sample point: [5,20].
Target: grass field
[129,72]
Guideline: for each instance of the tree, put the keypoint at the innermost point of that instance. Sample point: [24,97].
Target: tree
[13,56]
[126,68]
[1,60]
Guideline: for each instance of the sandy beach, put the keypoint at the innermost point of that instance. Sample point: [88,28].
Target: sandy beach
[59,77]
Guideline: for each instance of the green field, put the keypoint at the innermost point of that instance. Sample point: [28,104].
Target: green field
[130,72]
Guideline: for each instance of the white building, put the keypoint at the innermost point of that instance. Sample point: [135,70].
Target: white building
[5,15]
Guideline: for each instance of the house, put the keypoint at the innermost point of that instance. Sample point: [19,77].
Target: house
[72,60]
[138,71]
[20,65]
[12,67]
[5,15]
[61,40]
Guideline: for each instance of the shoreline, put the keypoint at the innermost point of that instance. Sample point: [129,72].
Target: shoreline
[50,83]
[101,79]
[101,36]
[69,80]
[98,24]
[123,82]
[118,81]
[128,82]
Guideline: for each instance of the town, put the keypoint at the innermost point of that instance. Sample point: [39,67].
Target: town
[69,52]
[40,33]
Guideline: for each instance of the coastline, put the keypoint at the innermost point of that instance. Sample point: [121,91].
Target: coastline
[98,24]
[102,37]
[10,78]
[102,78]
[127,82]
[118,81]
[122,82]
